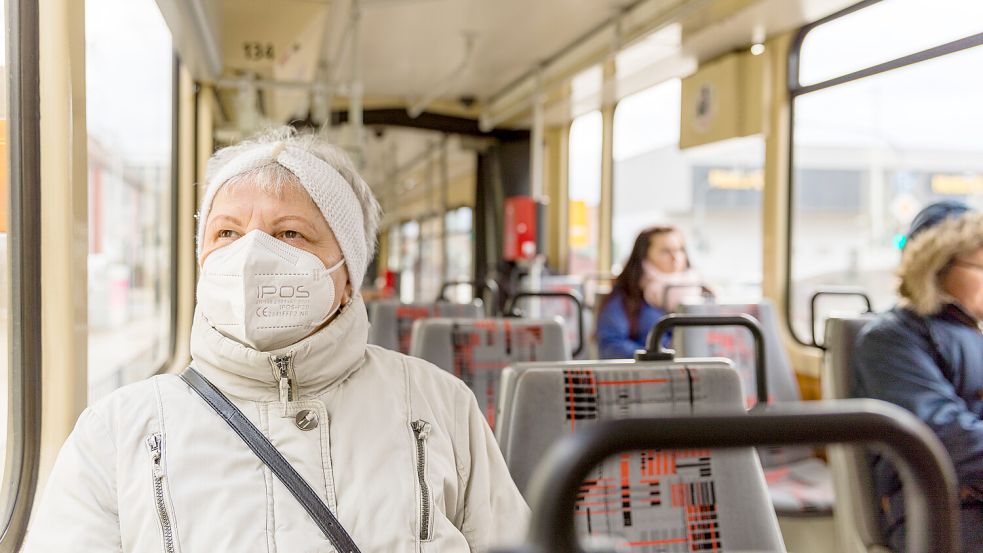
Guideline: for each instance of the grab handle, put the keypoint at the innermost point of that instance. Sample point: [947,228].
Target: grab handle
[479,288]
[841,292]
[510,310]
[654,351]
[705,291]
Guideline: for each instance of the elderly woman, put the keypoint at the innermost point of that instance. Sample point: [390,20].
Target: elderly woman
[396,448]
[926,355]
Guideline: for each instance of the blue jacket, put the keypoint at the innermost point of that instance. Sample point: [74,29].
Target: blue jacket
[933,367]
[614,341]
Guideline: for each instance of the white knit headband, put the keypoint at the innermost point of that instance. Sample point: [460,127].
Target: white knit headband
[332,194]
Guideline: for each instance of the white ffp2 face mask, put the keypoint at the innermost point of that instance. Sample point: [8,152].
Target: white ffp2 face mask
[264,293]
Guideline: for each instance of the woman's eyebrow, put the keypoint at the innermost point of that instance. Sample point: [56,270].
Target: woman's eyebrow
[292,218]
[224,218]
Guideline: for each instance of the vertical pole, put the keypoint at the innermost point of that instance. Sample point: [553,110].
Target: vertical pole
[445,183]
[536,185]
[607,169]
[355,94]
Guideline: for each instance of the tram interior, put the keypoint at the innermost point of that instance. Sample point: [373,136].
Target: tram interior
[520,147]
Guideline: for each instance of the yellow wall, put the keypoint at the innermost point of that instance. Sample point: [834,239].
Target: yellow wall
[64,228]
[4,179]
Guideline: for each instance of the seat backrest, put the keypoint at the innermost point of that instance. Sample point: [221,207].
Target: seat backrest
[476,350]
[392,321]
[856,503]
[699,500]
[737,345]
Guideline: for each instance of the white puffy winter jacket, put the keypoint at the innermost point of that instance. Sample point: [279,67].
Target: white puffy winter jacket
[396,447]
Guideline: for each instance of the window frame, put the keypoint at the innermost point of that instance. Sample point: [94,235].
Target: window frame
[175,219]
[23,442]
[795,89]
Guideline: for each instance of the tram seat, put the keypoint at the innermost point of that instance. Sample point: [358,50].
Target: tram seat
[392,321]
[800,483]
[856,511]
[476,350]
[697,500]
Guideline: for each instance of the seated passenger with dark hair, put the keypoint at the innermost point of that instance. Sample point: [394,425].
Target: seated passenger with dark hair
[656,277]
[926,355]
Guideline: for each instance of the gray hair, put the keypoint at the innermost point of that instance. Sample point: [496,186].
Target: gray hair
[273,178]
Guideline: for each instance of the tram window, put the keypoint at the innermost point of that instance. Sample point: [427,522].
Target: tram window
[409,257]
[584,194]
[431,259]
[392,249]
[129,97]
[883,32]
[460,248]
[712,193]
[869,153]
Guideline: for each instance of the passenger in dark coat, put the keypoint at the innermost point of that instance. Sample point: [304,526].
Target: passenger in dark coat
[656,277]
[926,355]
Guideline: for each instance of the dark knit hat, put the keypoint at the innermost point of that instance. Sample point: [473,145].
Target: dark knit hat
[934,214]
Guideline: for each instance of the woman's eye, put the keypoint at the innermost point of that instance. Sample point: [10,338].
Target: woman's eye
[227,233]
[290,235]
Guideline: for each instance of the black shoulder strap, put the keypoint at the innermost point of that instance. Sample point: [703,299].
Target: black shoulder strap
[266,451]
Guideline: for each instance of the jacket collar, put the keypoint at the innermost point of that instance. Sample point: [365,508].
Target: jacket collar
[958,313]
[313,365]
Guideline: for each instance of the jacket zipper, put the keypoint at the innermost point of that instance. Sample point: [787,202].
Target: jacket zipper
[154,443]
[282,365]
[421,429]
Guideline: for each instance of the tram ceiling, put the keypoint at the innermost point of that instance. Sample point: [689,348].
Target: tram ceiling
[291,54]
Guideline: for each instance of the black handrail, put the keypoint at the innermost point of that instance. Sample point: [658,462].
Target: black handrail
[842,292]
[511,311]
[479,288]
[926,471]
[655,352]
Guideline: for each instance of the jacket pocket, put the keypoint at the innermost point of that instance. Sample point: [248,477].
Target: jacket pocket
[155,445]
[421,430]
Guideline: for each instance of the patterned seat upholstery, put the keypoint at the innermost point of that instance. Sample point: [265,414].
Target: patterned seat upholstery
[799,482]
[656,500]
[392,322]
[476,350]
[856,507]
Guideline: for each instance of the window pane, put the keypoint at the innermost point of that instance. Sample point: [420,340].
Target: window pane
[460,246]
[129,95]
[867,156]
[883,32]
[712,193]
[430,278]
[584,192]
[409,245]
[392,260]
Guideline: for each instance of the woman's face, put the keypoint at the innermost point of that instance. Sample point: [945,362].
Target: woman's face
[292,217]
[964,281]
[667,252]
